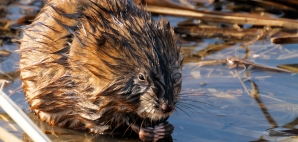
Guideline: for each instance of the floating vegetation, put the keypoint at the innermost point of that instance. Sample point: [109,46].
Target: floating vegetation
[239,75]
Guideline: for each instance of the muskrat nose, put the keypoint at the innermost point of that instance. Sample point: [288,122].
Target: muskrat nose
[166,107]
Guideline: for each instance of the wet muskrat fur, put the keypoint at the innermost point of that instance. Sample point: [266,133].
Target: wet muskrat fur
[99,65]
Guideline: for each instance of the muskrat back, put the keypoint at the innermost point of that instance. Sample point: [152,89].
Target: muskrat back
[99,65]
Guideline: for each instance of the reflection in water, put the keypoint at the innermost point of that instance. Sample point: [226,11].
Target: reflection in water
[256,96]
[292,124]
[10,76]
[290,67]
[292,131]
[57,134]
[242,118]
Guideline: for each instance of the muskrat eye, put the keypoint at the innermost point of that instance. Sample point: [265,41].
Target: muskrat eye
[141,77]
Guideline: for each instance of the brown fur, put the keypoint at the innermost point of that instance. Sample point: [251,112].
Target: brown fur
[80,62]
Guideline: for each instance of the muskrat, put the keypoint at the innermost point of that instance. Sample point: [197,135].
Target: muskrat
[99,65]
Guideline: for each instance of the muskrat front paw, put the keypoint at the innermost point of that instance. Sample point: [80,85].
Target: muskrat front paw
[163,130]
[147,134]
[160,131]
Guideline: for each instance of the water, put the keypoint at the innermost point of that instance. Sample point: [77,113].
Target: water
[228,112]
[219,101]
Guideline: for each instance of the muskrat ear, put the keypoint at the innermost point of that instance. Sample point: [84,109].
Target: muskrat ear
[177,77]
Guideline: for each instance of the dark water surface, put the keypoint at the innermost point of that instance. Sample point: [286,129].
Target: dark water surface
[218,104]
[227,111]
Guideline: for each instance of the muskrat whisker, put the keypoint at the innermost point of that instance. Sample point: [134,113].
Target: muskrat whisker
[117,126]
[190,108]
[176,111]
[193,92]
[133,123]
[185,100]
[177,107]
[125,131]
[196,107]
[189,104]
[142,123]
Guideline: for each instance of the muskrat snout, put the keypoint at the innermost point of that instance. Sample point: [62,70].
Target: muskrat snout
[167,107]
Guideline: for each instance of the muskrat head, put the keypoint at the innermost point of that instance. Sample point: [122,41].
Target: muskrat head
[149,91]
[147,77]
[146,64]
[156,92]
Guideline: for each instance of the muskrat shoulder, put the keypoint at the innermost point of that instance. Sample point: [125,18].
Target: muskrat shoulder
[99,65]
